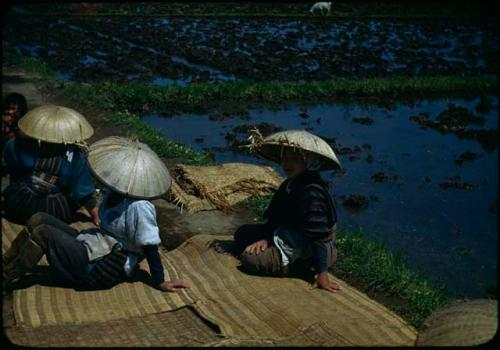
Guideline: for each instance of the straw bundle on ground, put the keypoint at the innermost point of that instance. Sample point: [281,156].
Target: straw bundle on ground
[220,186]
[462,323]
[129,167]
[56,124]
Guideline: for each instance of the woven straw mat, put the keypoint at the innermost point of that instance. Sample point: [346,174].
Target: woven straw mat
[245,307]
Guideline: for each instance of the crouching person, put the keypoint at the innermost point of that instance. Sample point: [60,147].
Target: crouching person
[128,232]
[300,220]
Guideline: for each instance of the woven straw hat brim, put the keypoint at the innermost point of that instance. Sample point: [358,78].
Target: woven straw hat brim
[129,167]
[460,323]
[55,124]
[271,146]
[272,152]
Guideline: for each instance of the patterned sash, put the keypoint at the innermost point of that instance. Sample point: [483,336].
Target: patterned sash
[38,193]
[107,271]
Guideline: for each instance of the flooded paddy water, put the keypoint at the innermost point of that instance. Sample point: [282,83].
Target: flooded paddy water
[421,181]
[430,196]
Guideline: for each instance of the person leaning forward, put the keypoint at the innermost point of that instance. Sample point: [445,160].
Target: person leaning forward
[48,170]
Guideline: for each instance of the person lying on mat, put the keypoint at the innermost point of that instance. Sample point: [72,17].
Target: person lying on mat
[300,225]
[92,258]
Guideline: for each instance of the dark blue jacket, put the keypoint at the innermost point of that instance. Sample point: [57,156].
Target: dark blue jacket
[307,207]
[75,179]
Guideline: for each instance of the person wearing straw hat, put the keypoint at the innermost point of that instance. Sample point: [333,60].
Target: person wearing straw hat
[48,171]
[100,258]
[301,216]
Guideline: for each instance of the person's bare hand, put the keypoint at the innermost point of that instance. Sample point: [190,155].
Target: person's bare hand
[323,282]
[257,247]
[94,213]
[173,286]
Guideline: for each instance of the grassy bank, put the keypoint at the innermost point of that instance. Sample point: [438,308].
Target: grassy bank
[380,272]
[153,138]
[238,96]
[202,97]
[40,69]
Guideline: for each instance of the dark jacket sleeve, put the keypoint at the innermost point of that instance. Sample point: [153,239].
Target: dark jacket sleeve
[314,212]
[320,255]
[314,223]
[81,183]
[154,262]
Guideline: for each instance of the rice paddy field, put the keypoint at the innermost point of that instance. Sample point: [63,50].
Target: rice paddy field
[420,163]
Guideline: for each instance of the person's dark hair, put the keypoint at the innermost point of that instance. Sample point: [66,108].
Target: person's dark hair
[114,199]
[18,99]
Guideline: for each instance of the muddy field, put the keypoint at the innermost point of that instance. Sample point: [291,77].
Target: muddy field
[425,191]
[185,50]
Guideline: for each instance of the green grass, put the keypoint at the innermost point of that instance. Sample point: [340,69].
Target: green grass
[205,96]
[368,261]
[382,271]
[40,69]
[162,146]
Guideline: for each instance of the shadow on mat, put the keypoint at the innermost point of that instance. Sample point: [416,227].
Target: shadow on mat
[42,275]
[224,247]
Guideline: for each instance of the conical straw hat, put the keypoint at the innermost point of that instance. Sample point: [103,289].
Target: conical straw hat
[270,146]
[460,323]
[129,167]
[55,124]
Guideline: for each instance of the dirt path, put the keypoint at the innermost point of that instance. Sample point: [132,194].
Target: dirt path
[16,80]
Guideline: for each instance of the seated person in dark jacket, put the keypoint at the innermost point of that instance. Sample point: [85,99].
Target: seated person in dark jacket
[47,177]
[300,225]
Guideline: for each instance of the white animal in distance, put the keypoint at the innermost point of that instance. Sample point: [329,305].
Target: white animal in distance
[322,7]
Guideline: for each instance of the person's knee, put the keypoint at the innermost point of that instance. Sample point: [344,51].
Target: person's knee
[250,262]
[267,263]
[36,220]
[41,234]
